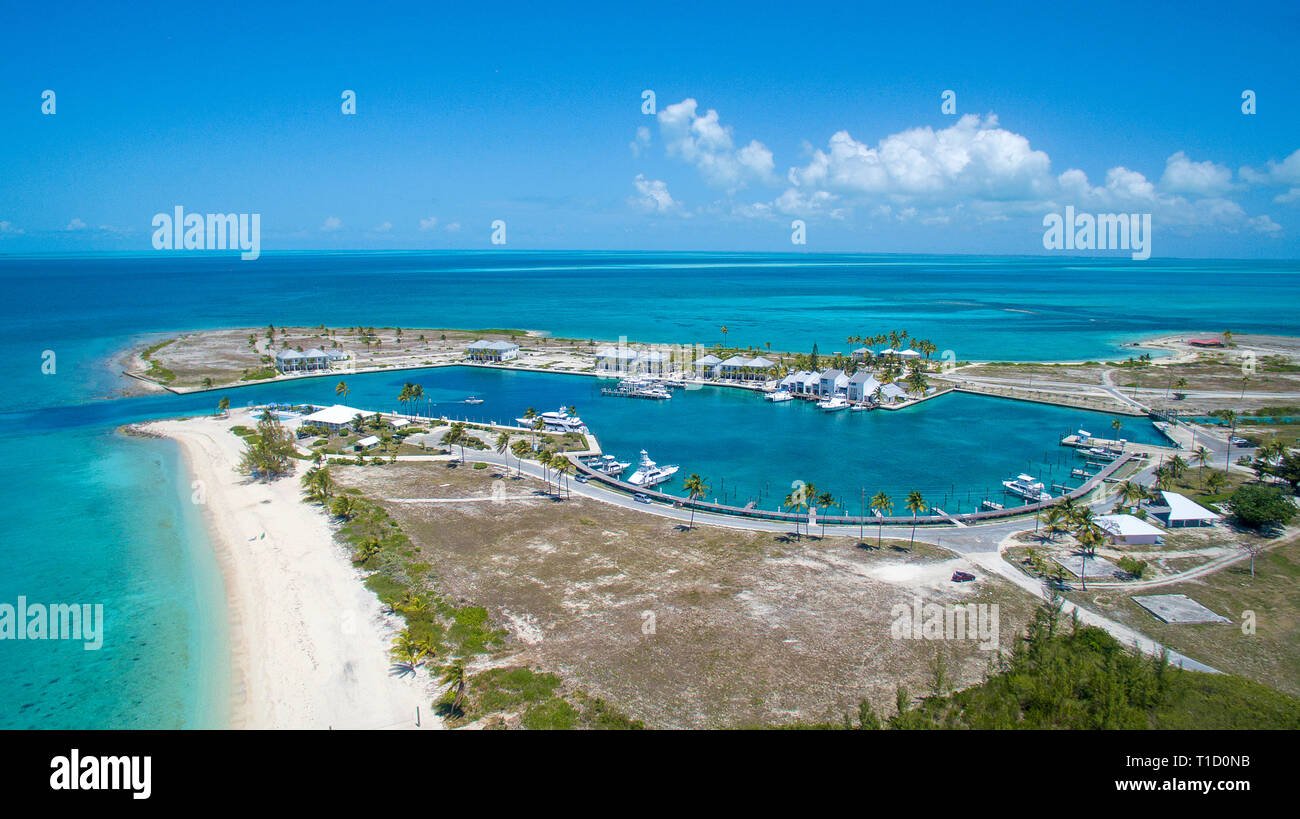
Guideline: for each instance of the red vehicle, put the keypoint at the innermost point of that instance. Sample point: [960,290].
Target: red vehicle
[962,577]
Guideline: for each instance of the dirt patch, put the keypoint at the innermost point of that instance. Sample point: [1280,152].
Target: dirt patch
[702,628]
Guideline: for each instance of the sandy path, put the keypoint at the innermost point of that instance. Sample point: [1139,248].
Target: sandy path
[309,641]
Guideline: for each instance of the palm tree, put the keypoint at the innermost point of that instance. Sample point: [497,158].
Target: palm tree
[882,505]
[318,483]
[915,505]
[345,506]
[417,395]
[1162,477]
[502,446]
[1215,482]
[530,415]
[223,406]
[341,389]
[695,488]
[724,335]
[1056,518]
[1131,494]
[1229,417]
[825,501]
[544,458]
[799,500]
[562,466]
[1116,425]
[454,677]
[1202,458]
[1177,466]
[520,449]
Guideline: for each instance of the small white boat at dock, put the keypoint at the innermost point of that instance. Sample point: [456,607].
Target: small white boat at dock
[779,396]
[648,473]
[834,403]
[1027,487]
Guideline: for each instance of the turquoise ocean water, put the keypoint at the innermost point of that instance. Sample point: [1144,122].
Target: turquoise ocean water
[96,517]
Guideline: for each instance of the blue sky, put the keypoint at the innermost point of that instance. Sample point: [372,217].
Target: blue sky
[531,114]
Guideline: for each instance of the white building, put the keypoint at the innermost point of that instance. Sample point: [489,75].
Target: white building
[615,359]
[334,418]
[1183,512]
[832,382]
[482,350]
[1128,530]
[808,383]
[707,366]
[892,393]
[292,361]
[366,443]
[734,367]
[862,386]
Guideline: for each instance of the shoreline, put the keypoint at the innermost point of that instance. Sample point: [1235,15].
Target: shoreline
[308,641]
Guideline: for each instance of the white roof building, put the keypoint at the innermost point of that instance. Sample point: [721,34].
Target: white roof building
[367,442]
[335,416]
[1129,530]
[909,353]
[761,363]
[893,392]
[1185,512]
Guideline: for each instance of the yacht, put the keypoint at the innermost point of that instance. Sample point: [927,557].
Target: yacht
[608,465]
[473,400]
[648,473]
[558,421]
[860,407]
[1027,487]
[779,395]
[835,402]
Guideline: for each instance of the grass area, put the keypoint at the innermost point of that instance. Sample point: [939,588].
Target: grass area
[260,374]
[156,370]
[406,582]
[1271,654]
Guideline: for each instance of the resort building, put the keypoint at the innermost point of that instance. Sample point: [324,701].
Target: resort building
[734,367]
[861,354]
[292,361]
[1128,530]
[909,354]
[651,361]
[862,386]
[615,359]
[808,383]
[482,350]
[892,394]
[334,418]
[833,382]
[366,443]
[707,366]
[335,354]
[1180,511]
[759,368]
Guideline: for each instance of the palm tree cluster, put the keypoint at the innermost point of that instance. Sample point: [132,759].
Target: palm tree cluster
[318,484]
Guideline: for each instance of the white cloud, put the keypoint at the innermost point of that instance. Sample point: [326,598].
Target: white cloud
[453,227]
[702,141]
[971,158]
[652,196]
[332,224]
[1286,172]
[1287,198]
[1182,175]
[429,223]
[76,224]
[384,228]
[1264,224]
[9,227]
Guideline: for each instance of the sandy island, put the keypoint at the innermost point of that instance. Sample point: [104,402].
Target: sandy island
[309,642]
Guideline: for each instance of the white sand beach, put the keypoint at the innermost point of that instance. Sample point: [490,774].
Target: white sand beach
[309,642]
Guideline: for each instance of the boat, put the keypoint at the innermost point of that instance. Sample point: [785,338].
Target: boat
[779,395]
[638,388]
[1027,487]
[608,465]
[649,473]
[558,421]
[860,407]
[473,400]
[837,402]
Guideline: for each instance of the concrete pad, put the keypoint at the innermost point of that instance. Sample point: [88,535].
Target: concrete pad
[1098,567]
[1178,608]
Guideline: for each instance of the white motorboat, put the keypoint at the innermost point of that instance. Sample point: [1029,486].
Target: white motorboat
[609,465]
[836,402]
[778,396]
[860,407]
[1027,487]
[649,473]
[473,400]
